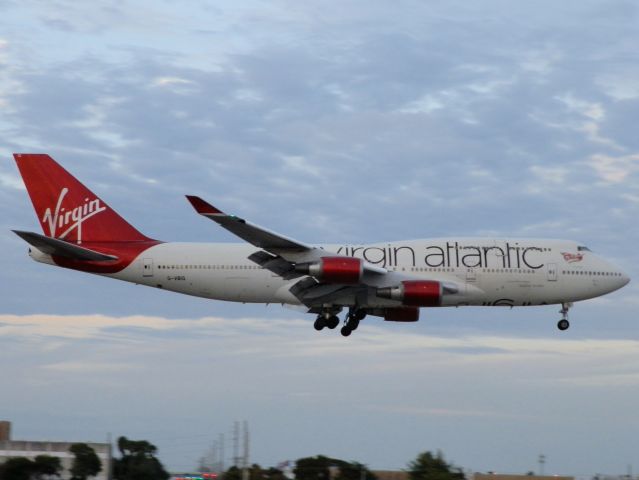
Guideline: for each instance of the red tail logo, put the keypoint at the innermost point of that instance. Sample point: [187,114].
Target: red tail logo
[70,219]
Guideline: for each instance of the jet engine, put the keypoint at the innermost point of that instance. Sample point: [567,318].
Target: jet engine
[418,293]
[345,270]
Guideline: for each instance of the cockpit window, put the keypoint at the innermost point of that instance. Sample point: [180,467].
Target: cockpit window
[583,248]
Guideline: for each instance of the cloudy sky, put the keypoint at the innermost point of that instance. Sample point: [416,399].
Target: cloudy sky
[347,121]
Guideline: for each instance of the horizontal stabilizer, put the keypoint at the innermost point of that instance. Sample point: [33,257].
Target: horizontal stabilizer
[54,246]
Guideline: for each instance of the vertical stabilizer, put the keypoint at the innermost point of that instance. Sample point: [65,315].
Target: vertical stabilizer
[66,208]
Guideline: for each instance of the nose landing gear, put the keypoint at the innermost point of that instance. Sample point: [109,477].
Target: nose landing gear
[564,324]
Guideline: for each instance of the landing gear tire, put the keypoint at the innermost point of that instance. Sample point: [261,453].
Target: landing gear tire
[351,322]
[359,315]
[332,322]
[563,324]
[319,324]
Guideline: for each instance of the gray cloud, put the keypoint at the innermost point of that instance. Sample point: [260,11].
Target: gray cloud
[341,129]
[286,372]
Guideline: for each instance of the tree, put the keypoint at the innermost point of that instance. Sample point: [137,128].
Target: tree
[138,461]
[433,467]
[354,471]
[273,474]
[232,473]
[43,467]
[255,473]
[86,462]
[313,468]
[18,468]
[319,468]
[137,448]
[46,467]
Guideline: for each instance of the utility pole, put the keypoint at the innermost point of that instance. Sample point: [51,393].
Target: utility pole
[221,443]
[245,470]
[109,467]
[542,461]
[212,464]
[236,444]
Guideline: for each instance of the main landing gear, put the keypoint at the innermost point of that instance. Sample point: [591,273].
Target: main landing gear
[563,324]
[328,319]
[352,320]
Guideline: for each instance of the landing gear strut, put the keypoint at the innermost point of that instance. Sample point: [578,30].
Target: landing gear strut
[354,316]
[563,324]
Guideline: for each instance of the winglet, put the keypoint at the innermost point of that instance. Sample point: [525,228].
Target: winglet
[258,236]
[202,207]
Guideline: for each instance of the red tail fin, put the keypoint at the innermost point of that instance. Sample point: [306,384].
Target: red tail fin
[67,209]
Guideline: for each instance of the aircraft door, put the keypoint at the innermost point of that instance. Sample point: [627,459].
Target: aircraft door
[147,267]
[551,272]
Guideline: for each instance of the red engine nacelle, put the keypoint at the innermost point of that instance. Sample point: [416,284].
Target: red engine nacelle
[418,293]
[401,314]
[346,270]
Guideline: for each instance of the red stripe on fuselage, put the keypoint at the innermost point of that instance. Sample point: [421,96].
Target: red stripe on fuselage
[126,252]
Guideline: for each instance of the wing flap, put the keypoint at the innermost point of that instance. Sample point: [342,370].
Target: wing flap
[315,294]
[60,248]
[275,264]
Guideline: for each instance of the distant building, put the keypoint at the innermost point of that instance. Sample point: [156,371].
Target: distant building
[498,476]
[31,449]
[5,431]
[390,474]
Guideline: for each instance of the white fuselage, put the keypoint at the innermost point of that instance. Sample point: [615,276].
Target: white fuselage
[487,272]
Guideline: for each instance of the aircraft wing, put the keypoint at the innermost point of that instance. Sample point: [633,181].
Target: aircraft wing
[283,252]
[61,248]
[258,236]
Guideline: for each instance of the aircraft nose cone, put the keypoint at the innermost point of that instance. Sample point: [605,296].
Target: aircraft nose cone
[625,279]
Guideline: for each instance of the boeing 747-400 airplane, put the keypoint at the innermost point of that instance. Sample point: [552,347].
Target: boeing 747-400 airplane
[392,280]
